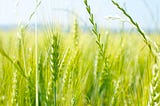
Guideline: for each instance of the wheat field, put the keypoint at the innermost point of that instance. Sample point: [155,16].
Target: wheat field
[80,68]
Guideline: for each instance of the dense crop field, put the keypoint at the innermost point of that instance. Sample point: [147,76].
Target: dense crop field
[79,68]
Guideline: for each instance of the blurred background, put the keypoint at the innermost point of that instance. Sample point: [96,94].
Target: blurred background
[63,12]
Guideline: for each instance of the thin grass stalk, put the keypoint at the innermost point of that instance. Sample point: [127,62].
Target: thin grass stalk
[147,40]
[37,4]
[36,52]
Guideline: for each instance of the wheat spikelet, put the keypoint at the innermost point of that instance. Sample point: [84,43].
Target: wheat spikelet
[154,99]
[116,90]
[105,76]
[75,35]
[49,90]
[54,62]
[14,89]
[67,74]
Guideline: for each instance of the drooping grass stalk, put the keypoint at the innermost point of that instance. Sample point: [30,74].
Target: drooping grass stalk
[54,62]
[18,70]
[16,64]
[155,50]
[146,38]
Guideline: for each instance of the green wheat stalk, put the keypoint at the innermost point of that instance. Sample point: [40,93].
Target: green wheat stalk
[105,77]
[54,62]
[155,50]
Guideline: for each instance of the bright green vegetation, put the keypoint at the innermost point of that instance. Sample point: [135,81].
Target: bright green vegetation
[77,70]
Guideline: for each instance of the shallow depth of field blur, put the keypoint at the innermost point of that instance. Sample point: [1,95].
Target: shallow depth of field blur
[66,64]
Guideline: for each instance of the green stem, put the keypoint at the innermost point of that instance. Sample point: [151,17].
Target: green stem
[54,90]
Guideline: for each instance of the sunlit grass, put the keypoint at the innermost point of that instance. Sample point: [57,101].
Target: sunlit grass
[130,61]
